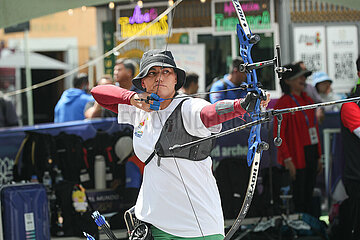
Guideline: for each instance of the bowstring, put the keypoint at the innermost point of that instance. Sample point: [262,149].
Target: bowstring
[162,124]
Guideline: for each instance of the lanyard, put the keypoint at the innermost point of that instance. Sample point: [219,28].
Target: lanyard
[303,112]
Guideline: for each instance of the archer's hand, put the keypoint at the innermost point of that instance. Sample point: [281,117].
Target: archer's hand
[137,100]
[289,165]
[249,102]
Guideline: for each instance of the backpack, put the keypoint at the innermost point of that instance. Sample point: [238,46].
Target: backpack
[208,88]
[36,155]
[71,152]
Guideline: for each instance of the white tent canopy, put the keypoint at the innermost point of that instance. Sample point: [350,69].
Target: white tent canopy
[36,61]
[17,11]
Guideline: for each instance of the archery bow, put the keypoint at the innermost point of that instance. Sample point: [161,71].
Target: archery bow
[255,145]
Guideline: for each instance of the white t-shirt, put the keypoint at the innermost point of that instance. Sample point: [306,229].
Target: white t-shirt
[162,199]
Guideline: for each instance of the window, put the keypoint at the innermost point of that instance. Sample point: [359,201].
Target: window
[262,51]
[218,55]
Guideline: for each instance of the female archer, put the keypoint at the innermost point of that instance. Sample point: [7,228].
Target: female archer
[179,196]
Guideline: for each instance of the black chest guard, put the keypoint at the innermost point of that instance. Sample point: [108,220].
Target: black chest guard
[173,132]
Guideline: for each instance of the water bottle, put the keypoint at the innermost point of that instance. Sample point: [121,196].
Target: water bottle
[58,178]
[46,180]
[100,172]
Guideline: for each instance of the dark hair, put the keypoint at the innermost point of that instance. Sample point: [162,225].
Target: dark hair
[80,80]
[285,88]
[236,63]
[128,64]
[358,64]
[296,72]
[190,77]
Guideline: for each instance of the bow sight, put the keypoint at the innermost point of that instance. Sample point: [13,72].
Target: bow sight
[247,67]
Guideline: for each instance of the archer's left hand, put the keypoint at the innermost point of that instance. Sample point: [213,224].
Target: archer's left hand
[249,102]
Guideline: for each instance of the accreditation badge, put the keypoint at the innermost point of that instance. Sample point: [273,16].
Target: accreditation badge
[313,136]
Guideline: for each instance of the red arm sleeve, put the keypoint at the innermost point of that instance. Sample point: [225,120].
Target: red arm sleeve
[109,96]
[220,112]
[350,116]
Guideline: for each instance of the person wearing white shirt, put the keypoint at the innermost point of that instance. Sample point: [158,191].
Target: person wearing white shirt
[179,197]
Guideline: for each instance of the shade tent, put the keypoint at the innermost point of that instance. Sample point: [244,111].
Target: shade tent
[13,12]
[36,61]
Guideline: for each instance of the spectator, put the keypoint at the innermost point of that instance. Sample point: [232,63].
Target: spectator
[313,94]
[191,84]
[72,102]
[322,84]
[300,150]
[350,133]
[93,109]
[232,80]
[8,117]
[124,71]
[309,88]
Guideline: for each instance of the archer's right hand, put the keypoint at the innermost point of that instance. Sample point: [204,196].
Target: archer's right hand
[138,100]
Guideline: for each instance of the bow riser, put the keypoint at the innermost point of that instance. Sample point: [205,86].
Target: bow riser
[246,44]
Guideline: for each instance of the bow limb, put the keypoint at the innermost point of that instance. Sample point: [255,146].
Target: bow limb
[248,197]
